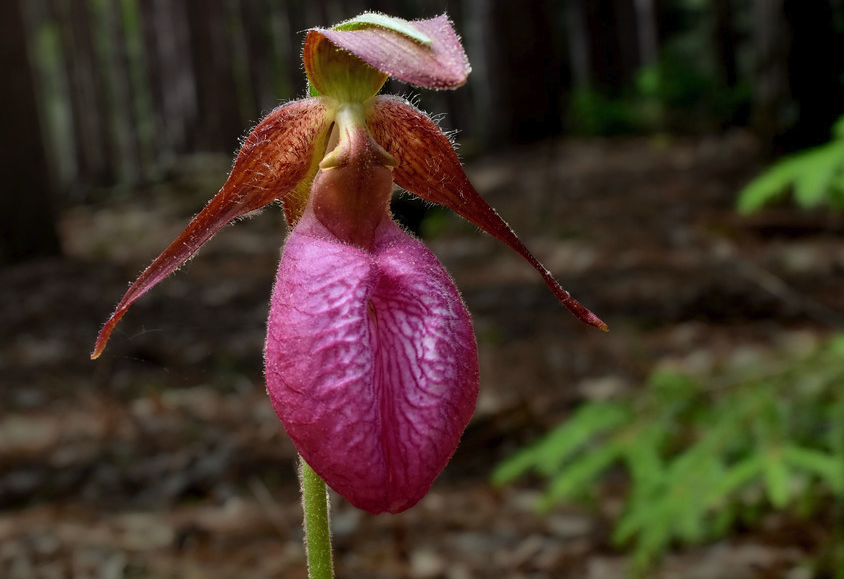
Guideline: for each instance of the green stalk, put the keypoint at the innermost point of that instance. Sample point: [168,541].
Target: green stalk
[317,531]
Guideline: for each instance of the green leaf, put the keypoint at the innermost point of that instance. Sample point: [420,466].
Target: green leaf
[815,176]
[587,424]
[768,186]
[826,466]
[836,345]
[838,128]
[581,475]
[777,478]
[692,502]
[645,463]
[651,544]
[515,466]
[550,453]
[398,25]
[817,167]
[649,521]
[672,387]
[737,476]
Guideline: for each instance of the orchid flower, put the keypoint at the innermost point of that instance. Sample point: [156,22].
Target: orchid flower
[370,358]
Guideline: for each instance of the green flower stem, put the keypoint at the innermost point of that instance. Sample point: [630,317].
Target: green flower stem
[317,531]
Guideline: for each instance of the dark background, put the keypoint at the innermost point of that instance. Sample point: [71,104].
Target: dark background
[613,135]
[105,94]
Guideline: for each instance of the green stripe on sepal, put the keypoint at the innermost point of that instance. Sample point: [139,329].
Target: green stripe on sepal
[398,25]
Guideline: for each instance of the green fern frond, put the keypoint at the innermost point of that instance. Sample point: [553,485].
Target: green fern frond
[771,185]
[578,479]
[777,478]
[548,455]
[827,467]
[816,177]
[699,460]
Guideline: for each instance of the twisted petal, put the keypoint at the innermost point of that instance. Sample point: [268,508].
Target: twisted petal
[277,161]
[429,168]
[371,362]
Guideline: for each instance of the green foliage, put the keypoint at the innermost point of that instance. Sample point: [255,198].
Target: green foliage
[678,92]
[592,113]
[685,89]
[815,176]
[673,94]
[699,458]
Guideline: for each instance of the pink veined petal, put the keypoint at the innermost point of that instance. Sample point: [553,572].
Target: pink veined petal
[273,160]
[371,362]
[429,168]
[440,64]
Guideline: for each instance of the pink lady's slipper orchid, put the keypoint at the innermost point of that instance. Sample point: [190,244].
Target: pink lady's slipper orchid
[371,361]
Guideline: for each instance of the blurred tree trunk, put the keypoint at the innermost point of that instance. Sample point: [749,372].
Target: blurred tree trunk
[122,101]
[609,40]
[614,40]
[220,125]
[799,63]
[816,65]
[96,153]
[578,41]
[26,222]
[646,32]
[525,71]
[725,42]
[771,44]
[293,22]
[170,74]
[259,52]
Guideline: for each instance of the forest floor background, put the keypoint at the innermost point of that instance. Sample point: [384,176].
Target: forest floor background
[163,459]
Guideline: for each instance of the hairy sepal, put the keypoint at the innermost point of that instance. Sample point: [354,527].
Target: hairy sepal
[429,168]
[277,161]
[371,362]
[425,53]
